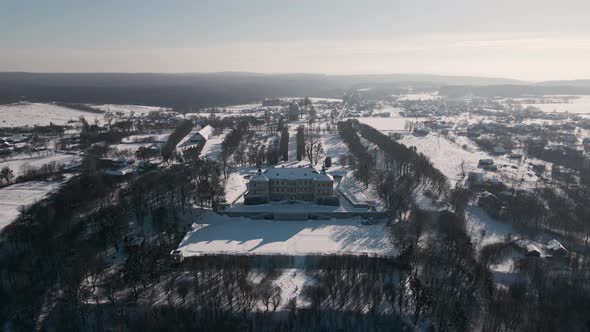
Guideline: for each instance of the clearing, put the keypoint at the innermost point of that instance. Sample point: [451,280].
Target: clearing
[216,234]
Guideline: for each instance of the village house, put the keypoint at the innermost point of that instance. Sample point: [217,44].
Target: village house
[195,138]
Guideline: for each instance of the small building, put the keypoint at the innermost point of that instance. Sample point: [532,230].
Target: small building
[538,168]
[5,147]
[421,132]
[499,150]
[193,139]
[556,248]
[505,196]
[117,166]
[206,132]
[532,250]
[490,203]
[475,177]
[485,162]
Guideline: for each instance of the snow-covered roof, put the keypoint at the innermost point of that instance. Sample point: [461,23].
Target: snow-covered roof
[206,131]
[499,149]
[120,172]
[532,248]
[555,245]
[194,137]
[292,173]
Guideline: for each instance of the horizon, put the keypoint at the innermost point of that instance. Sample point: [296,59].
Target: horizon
[433,75]
[503,39]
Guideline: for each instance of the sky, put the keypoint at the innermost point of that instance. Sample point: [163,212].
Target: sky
[522,39]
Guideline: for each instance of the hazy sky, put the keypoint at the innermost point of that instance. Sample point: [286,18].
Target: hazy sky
[523,39]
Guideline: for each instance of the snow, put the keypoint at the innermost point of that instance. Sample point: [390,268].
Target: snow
[291,282]
[419,96]
[216,234]
[22,194]
[580,105]
[332,145]
[235,185]
[212,147]
[18,162]
[127,109]
[396,123]
[159,138]
[483,229]
[31,114]
[238,108]
[445,155]
[449,157]
[349,186]
[132,147]
[504,268]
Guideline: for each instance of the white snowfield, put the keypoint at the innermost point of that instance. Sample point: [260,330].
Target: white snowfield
[483,229]
[578,105]
[419,96]
[22,194]
[127,109]
[31,114]
[18,162]
[216,234]
[153,138]
[395,123]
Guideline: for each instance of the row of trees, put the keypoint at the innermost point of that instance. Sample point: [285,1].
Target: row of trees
[363,163]
[43,250]
[403,170]
[169,149]
[404,161]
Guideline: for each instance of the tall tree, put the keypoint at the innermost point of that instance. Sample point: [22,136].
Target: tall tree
[284,147]
[281,124]
[300,143]
[6,174]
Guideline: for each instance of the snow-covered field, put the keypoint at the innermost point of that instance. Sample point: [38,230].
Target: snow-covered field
[445,155]
[216,234]
[132,147]
[30,114]
[18,162]
[127,109]
[22,194]
[160,138]
[452,159]
[419,96]
[237,108]
[389,124]
[235,185]
[484,229]
[212,147]
[579,105]
[352,187]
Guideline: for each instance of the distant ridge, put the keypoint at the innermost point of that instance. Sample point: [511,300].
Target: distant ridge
[185,91]
[89,78]
[573,83]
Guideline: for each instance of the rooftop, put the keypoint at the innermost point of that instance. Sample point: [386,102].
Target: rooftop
[292,173]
